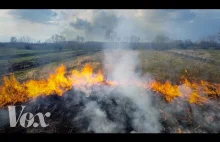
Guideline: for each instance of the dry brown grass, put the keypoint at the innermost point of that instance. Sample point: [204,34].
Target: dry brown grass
[161,65]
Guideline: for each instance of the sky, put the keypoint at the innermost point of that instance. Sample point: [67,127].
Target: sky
[92,24]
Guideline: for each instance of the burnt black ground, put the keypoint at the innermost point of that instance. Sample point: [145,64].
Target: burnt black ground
[65,109]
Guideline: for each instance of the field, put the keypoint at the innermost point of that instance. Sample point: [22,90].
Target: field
[161,64]
[121,107]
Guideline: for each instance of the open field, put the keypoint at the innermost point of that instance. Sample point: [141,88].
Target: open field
[161,64]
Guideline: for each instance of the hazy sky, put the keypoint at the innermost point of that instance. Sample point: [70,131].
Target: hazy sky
[92,24]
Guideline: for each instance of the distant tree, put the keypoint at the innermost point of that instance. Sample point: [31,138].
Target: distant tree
[28,47]
[188,43]
[24,39]
[209,41]
[110,35]
[212,39]
[161,42]
[161,39]
[134,39]
[80,39]
[49,40]
[13,39]
[21,39]
[57,39]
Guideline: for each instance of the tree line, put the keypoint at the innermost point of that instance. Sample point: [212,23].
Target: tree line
[159,42]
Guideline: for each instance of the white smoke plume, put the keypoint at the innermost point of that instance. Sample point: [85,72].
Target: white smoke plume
[120,109]
[98,122]
[124,67]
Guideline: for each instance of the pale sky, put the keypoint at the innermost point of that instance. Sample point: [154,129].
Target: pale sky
[92,24]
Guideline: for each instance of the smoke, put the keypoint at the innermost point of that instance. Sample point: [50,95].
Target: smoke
[124,68]
[4,117]
[132,109]
[97,118]
[119,109]
[207,117]
[190,118]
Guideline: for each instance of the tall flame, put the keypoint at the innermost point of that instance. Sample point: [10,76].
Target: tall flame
[170,91]
[13,91]
[58,83]
[200,92]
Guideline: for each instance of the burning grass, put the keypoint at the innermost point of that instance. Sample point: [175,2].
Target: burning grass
[187,104]
[58,83]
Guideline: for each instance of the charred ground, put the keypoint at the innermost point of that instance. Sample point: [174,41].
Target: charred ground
[163,65]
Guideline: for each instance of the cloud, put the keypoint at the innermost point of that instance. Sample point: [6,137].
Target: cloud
[36,16]
[80,24]
[92,24]
[144,23]
[95,28]
[102,21]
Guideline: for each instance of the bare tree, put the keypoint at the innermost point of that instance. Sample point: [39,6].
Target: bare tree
[110,35]
[13,39]
[49,40]
[80,39]
[161,42]
[212,38]
[24,39]
[57,39]
[134,39]
[161,39]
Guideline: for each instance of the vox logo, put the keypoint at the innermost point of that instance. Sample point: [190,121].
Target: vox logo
[27,119]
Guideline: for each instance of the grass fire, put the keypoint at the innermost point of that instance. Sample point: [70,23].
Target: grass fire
[13,92]
[109,71]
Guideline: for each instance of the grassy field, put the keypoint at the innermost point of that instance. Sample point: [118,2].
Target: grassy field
[161,64]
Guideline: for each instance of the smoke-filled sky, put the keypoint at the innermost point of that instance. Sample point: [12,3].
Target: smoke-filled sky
[92,24]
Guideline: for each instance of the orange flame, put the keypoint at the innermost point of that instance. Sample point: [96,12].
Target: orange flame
[13,92]
[170,91]
[200,94]
[58,83]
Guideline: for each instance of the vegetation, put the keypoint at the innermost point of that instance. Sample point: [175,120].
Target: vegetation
[163,58]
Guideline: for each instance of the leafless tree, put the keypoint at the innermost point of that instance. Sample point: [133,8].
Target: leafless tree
[57,39]
[13,39]
[134,39]
[24,39]
[80,39]
[212,38]
[161,39]
[110,35]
